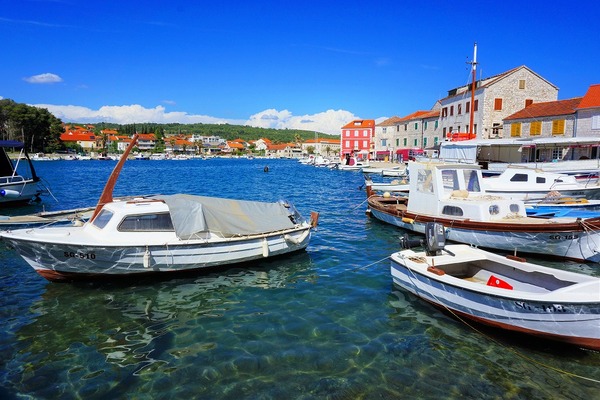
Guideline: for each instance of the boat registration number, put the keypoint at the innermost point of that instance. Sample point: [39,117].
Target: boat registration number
[87,256]
[563,237]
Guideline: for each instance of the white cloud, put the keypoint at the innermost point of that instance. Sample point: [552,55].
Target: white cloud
[329,121]
[43,78]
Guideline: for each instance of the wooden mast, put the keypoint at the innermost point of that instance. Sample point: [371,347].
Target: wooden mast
[473,87]
[107,193]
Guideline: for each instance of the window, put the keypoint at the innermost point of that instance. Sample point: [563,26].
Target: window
[535,128]
[424,181]
[451,110]
[416,126]
[355,133]
[450,180]
[514,208]
[397,142]
[521,83]
[494,209]
[416,143]
[557,154]
[365,144]
[405,127]
[540,179]
[528,102]
[436,125]
[496,129]
[425,125]
[558,127]
[459,111]
[515,129]
[472,180]
[444,112]
[146,223]
[596,122]
[468,107]
[404,142]
[519,178]
[476,105]
[384,130]
[424,142]
[497,104]
[452,210]
[102,219]
[347,145]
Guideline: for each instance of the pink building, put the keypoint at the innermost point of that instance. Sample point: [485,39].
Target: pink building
[357,139]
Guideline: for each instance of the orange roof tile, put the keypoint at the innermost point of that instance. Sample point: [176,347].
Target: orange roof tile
[591,98]
[547,109]
[360,123]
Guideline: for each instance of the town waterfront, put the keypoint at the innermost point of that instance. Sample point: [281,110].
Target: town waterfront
[324,323]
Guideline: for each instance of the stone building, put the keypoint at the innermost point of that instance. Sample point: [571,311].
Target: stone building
[496,98]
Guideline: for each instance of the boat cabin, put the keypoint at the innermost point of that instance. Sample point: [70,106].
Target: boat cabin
[456,191]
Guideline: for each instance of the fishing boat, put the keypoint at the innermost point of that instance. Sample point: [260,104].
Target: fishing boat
[161,234]
[453,195]
[18,183]
[534,184]
[501,291]
[395,185]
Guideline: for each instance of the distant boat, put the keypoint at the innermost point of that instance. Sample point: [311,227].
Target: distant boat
[161,234]
[534,184]
[501,291]
[15,186]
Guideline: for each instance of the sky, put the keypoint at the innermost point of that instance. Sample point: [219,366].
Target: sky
[312,65]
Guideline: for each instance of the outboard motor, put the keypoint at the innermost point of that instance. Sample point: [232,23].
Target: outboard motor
[435,238]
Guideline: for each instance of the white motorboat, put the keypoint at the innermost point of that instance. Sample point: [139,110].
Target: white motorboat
[533,184]
[502,291]
[161,234]
[19,182]
[453,195]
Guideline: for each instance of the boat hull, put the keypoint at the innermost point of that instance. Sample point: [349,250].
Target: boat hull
[21,191]
[57,261]
[575,241]
[553,318]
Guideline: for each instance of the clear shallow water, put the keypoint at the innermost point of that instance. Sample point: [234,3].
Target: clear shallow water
[325,323]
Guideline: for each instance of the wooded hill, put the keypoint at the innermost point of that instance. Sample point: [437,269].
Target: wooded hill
[225,131]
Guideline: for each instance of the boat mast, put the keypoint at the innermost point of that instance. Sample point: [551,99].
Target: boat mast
[107,193]
[474,84]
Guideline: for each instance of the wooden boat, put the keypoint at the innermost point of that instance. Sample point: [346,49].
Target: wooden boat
[534,184]
[502,291]
[16,184]
[161,234]
[453,195]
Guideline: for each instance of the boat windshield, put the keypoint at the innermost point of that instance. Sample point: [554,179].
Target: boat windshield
[102,219]
[147,223]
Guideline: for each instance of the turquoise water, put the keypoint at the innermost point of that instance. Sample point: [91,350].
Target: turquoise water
[324,323]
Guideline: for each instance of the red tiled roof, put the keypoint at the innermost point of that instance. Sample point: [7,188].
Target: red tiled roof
[547,109]
[591,98]
[77,137]
[390,121]
[146,136]
[280,146]
[322,140]
[360,123]
[235,145]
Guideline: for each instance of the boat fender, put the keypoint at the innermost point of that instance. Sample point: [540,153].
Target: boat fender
[293,240]
[408,220]
[265,248]
[9,193]
[436,271]
[147,258]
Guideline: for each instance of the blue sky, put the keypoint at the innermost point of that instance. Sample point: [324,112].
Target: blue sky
[312,65]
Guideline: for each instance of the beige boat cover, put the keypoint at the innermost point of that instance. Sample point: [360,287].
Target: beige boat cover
[193,215]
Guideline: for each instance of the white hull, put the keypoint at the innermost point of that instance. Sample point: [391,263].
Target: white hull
[583,246]
[20,191]
[47,252]
[557,305]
